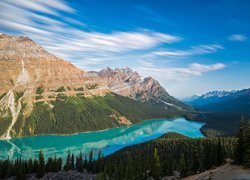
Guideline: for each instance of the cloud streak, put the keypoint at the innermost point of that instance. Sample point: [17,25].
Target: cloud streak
[35,18]
[237,37]
[179,74]
[195,50]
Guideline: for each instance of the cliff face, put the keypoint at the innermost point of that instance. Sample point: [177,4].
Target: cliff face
[25,65]
[29,74]
[129,83]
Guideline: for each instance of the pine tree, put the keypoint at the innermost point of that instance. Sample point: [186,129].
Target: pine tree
[240,144]
[67,165]
[156,168]
[41,165]
[30,166]
[21,171]
[79,163]
[246,154]
[90,160]
[220,156]
[72,161]
[99,168]
[182,165]
[59,164]
[49,164]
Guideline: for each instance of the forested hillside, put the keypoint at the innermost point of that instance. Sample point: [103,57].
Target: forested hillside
[78,114]
[161,157]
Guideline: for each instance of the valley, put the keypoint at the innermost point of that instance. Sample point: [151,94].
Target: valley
[124,90]
[42,94]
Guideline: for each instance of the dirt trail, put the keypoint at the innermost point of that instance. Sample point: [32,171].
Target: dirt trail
[225,172]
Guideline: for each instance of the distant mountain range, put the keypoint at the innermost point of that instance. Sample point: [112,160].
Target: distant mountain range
[220,101]
[43,94]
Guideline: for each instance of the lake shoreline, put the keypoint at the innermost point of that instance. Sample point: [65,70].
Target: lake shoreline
[108,141]
[71,134]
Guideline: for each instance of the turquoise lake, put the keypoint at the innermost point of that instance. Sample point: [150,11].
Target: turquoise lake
[107,141]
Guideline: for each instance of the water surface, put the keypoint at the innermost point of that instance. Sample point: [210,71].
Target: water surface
[108,141]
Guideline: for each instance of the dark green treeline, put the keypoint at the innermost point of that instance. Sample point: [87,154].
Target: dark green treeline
[242,153]
[155,158]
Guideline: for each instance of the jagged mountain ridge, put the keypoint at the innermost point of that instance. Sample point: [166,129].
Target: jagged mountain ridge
[218,96]
[43,94]
[237,101]
[127,82]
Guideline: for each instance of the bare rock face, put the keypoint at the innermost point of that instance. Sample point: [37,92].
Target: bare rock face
[30,74]
[129,83]
[25,65]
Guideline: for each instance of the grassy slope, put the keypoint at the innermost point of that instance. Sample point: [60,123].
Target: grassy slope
[78,114]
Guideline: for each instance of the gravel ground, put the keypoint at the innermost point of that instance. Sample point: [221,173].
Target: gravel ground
[225,172]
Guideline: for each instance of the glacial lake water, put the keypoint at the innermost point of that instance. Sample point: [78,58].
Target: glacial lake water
[107,141]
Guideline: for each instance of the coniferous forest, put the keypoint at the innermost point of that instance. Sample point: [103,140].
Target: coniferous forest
[157,158]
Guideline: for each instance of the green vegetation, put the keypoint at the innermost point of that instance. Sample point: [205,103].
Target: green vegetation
[61,89]
[41,166]
[2,95]
[219,124]
[18,95]
[39,97]
[80,95]
[173,135]
[19,168]
[79,89]
[79,114]
[153,159]
[62,97]
[5,120]
[242,154]
[161,157]
[91,86]
[50,96]
[40,90]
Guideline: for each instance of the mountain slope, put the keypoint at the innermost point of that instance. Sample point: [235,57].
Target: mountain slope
[129,83]
[217,96]
[29,74]
[236,104]
[224,101]
[43,94]
[78,114]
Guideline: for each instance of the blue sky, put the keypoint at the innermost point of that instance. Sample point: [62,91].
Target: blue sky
[190,47]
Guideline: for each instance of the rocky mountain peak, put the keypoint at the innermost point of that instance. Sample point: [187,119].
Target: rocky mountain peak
[126,82]
[24,64]
[22,47]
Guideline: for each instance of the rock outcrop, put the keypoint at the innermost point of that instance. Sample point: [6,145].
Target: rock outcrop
[129,83]
[30,74]
[25,65]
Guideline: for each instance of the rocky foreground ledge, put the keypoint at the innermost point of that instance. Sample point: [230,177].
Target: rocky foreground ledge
[226,172]
[62,175]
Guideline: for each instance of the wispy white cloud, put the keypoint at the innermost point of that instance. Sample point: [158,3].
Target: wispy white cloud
[237,37]
[90,49]
[194,50]
[179,74]
[35,19]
